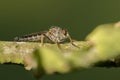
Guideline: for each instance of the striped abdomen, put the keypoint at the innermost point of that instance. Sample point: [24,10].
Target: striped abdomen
[29,37]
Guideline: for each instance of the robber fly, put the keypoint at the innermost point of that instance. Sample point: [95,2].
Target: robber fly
[54,34]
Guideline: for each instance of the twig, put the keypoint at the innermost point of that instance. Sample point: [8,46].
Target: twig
[102,45]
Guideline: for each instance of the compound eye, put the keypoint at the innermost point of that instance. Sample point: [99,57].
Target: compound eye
[64,32]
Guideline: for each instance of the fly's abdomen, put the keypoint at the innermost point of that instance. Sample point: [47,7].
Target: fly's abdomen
[29,37]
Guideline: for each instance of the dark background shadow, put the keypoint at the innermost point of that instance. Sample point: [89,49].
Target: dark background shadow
[80,17]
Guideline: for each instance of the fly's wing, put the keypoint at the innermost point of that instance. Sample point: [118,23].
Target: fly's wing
[30,37]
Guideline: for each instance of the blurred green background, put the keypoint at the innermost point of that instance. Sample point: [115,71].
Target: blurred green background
[79,17]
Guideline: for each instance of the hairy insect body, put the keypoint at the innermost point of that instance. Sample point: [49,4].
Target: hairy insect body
[54,34]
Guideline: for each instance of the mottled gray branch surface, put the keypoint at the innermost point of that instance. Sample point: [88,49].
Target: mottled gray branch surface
[25,52]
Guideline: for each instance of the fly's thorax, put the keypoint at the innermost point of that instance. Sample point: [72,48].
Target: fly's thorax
[57,34]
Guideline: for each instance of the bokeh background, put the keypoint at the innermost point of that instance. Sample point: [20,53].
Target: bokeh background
[79,17]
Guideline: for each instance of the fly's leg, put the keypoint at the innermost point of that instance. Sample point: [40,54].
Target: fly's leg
[42,40]
[71,41]
[59,46]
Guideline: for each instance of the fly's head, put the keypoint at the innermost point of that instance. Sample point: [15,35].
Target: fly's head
[57,34]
